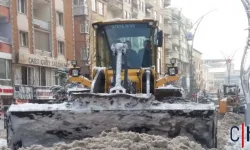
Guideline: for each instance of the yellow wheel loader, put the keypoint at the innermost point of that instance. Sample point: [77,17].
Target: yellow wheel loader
[125,92]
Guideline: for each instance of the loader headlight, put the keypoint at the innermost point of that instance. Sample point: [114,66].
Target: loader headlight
[173,61]
[73,62]
[75,72]
[172,71]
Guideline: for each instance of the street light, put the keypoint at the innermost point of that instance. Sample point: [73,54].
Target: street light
[245,67]
[190,37]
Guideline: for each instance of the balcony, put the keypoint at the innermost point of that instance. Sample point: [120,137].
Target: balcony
[168,44]
[81,10]
[5,45]
[176,13]
[167,29]
[5,3]
[167,14]
[175,41]
[149,3]
[4,40]
[173,54]
[167,3]
[41,24]
[134,9]
[115,5]
[175,28]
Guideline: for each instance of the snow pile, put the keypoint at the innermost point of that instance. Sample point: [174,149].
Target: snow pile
[116,140]
[224,126]
[3,144]
[231,145]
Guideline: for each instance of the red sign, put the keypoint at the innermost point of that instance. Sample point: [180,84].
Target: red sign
[6,90]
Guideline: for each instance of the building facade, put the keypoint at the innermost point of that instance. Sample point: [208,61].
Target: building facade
[42,41]
[177,46]
[85,13]
[197,68]
[6,89]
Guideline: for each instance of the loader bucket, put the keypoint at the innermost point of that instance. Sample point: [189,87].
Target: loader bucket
[164,93]
[87,115]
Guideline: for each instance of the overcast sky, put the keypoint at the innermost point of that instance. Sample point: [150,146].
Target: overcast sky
[221,30]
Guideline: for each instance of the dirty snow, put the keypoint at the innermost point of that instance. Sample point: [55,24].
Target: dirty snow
[116,140]
[168,87]
[224,126]
[102,105]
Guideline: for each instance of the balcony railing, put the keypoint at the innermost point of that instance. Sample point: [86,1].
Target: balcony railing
[81,10]
[175,28]
[41,24]
[175,41]
[5,3]
[115,5]
[167,3]
[167,14]
[149,3]
[167,29]
[134,7]
[4,39]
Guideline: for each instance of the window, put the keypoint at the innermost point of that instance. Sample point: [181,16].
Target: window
[100,8]
[79,2]
[27,75]
[59,18]
[24,38]
[125,14]
[22,6]
[56,78]
[161,3]
[142,6]
[155,15]
[5,69]
[85,53]
[84,27]
[161,19]
[133,36]
[42,40]
[60,47]
[42,76]
[93,3]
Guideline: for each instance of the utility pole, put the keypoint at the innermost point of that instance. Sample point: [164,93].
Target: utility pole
[245,65]
[191,38]
[229,66]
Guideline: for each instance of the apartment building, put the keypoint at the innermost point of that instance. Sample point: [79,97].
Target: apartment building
[85,13]
[43,41]
[6,90]
[177,26]
[197,68]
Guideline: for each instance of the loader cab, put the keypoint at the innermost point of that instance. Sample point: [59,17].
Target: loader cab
[230,90]
[143,37]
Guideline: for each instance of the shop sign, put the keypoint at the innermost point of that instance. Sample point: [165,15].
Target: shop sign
[44,93]
[23,92]
[41,61]
[6,90]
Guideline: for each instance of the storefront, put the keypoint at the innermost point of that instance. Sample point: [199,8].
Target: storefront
[6,97]
[38,70]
